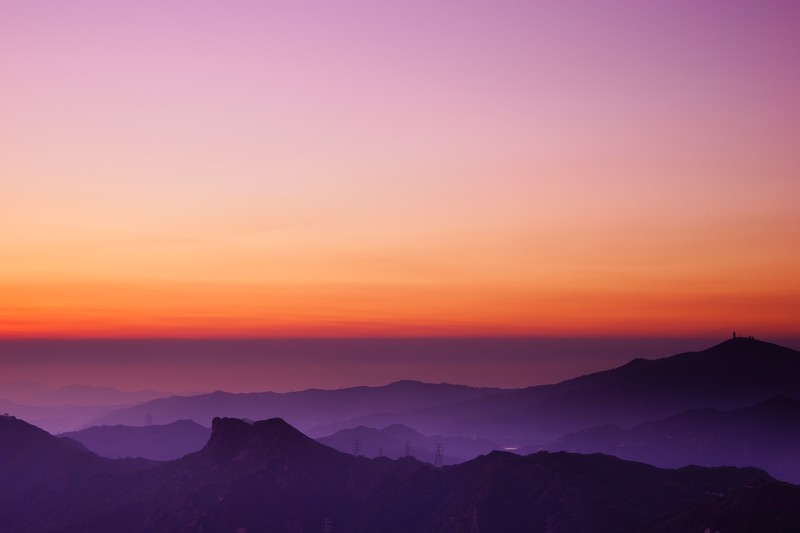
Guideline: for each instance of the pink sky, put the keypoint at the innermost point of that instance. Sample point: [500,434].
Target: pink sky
[399,168]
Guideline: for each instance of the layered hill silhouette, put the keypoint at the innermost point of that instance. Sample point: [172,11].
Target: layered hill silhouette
[332,409]
[726,400]
[159,443]
[56,419]
[398,441]
[766,434]
[34,393]
[65,408]
[267,476]
[734,374]
[175,440]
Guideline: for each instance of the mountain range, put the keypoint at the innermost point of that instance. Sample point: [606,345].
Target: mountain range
[156,442]
[766,434]
[66,408]
[267,476]
[733,374]
[729,408]
[307,410]
[174,440]
[398,440]
[39,394]
[632,411]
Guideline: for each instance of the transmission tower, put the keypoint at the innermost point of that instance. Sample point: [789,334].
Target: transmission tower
[356,448]
[550,525]
[326,525]
[407,452]
[473,528]
[438,459]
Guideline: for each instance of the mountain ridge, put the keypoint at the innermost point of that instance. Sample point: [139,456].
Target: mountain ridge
[638,391]
[267,475]
[155,442]
[766,434]
[730,374]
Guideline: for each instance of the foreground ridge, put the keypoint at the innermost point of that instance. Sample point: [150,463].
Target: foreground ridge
[269,476]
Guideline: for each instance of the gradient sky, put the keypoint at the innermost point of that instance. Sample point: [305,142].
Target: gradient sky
[275,168]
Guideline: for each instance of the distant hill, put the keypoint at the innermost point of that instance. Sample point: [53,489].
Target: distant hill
[267,476]
[92,395]
[730,375]
[766,435]
[22,391]
[66,408]
[330,409]
[172,441]
[159,443]
[393,441]
[55,419]
[733,374]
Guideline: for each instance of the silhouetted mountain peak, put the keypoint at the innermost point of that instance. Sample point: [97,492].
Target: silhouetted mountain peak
[236,430]
[233,437]
[405,383]
[402,431]
[225,429]
[749,346]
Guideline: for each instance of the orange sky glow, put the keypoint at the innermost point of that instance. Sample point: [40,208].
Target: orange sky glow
[511,168]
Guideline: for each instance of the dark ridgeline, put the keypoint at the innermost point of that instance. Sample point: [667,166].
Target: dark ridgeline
[173,441]
[766,435]
[267,476]
[48,483]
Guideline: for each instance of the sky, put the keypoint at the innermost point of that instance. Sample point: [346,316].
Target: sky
[248,169]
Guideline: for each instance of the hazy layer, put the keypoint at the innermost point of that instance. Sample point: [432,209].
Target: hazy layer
[283,365]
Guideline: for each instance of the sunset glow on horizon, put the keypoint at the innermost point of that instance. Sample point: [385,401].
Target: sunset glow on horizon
[311,169]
